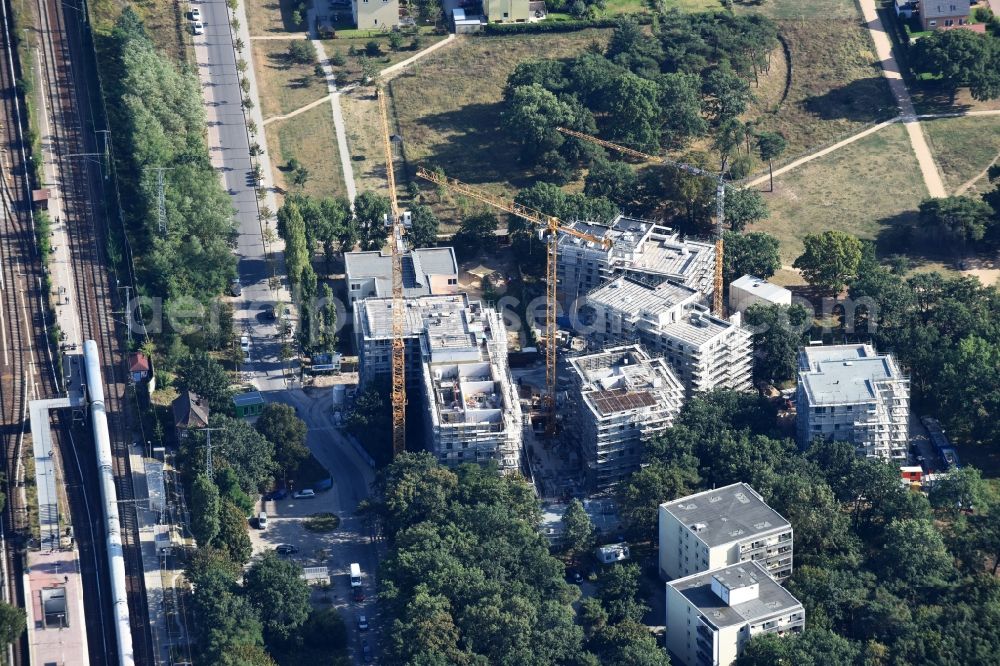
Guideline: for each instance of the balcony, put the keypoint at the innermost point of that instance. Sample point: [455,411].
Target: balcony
[705,659]
[706,633]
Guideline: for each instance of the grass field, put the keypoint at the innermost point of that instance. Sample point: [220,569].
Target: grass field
[352,66]
[270,16]
[164,21]
[309,138]
[779,9]
[283,85]
[448,108]
[837,88]
[963,147]
[862,189]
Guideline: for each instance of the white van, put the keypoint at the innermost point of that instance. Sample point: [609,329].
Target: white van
[262,520]
[355,574]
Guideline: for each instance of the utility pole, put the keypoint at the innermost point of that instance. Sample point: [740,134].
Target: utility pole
[161,199]
[125,311]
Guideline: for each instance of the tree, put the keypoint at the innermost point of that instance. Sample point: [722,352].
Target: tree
[531,116]
[370,421]
[618,590]
[233,538]
[770,146]
[274,587]
[779,332]
[578,534]
[12,623]
[476,234]
[248,453]
[634,112]
[616,181]
[302,52]
[961,488]
[325,629]
[229,489]
[328,314]
[956,59]
[830,259]
[395,40]
[428,11]
[628,643]
[659,481]
[955,221]
[915,555]
[680,108]
[203,375]
[744,206]
[727,95]
[424,227]
[370,211]
[205,507]
[755,253]
[279,424]
[814,647]
[300,176]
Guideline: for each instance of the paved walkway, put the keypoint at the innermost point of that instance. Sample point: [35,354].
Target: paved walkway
[890,68]
[338,114]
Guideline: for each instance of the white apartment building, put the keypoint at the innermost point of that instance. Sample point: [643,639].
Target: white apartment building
[456,360]
[426,271]
[704,351]
[621,398]
[710,616]
[721,527]
[852,393]
[635,245]
[375,14]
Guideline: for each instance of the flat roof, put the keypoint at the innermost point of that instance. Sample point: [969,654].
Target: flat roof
[635,295]
[417,265]
[725,515]
[248,398]
[772,599]
[843,374]
[760,287]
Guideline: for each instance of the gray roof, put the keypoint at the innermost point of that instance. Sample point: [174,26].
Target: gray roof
[248,398]
[417,266]
[843,374]
[725,515]
[761,288]
[772,599]
[190,411]
[633,295]
[940,8]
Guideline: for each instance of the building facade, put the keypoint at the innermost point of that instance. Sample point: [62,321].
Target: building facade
[621,397]
[851,393]
[426,271]
[722,527]
[375,14]
[506,11]
[749,290]
[704,351]
[710,616]
[456,358]
[635,245]
[943,14]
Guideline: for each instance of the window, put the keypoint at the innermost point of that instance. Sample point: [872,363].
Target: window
[355,287]
[932,23]
[820,410]
[949,22]
[452,281]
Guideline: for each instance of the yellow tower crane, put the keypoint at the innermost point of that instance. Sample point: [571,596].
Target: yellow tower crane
[398,306]
[720,201]
[553,226]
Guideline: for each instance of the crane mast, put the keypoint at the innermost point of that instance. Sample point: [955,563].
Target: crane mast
[553,227]
[720,201]
[398,306]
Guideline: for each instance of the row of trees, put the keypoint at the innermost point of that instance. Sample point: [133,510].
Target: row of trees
[887,576]
[960,58]
[157,113]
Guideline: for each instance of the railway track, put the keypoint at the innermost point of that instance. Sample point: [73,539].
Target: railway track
[79,163]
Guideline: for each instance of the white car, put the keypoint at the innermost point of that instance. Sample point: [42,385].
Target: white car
[198,27]
[195,14]
[305,493]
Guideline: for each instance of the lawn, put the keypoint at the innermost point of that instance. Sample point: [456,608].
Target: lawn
[964,148]
[311,139]
[270,16]
[321,522]
[364,139]
[386,56]
[778,9]
[448,108]
[284,85]
[863,189]
[164,21]
[837,88]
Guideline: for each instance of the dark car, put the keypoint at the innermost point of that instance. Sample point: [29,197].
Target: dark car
[359,594]
[235,288]
[574,576]
[278,494]
[286,549]
[366,651]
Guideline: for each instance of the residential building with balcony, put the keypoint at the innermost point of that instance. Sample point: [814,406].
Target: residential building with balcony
[635,245]
[456,361]
[704,351]
[710,616]
[621,398]
[722,527]
[852,393]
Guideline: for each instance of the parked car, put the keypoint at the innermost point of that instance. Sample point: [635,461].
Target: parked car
[286,549]
[195,14]
[198,28]
[262,520]
[278,494]
[235,288]
[366,651]
[574,576]
[305,493]
[362,623]
[359,594]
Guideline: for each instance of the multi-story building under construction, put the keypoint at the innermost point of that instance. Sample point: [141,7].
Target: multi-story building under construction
[456,360]
[622,397]
[852,393]
[636,245]
[666,318]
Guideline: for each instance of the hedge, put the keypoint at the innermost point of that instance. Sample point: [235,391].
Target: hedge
[559,26]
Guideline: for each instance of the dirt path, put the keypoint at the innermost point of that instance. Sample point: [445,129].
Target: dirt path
[890,69]
[301,109]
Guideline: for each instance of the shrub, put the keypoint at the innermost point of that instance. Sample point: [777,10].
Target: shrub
[302,51]
[373,49]
[338,59]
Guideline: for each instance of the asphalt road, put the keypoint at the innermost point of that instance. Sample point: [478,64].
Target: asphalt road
[229,147]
